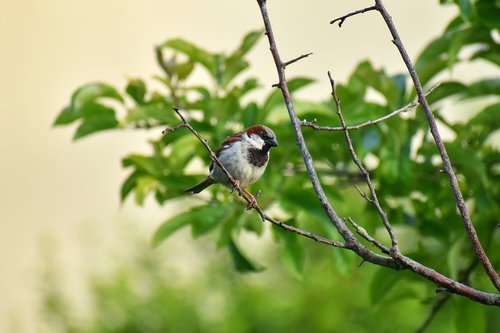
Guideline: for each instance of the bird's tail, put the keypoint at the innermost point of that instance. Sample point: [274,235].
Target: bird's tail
[200,186]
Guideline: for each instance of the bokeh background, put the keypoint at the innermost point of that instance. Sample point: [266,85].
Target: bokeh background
[62,197]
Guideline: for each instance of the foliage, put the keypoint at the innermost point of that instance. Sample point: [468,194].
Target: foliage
[413,191]
[143,294]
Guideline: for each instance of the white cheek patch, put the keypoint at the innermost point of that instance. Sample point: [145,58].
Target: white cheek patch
[256,141]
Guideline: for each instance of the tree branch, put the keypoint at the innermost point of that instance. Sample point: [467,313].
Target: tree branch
[296,59]
[343,18]
[406,108]
[460,202]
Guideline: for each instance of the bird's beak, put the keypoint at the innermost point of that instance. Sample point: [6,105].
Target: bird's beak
[272,142]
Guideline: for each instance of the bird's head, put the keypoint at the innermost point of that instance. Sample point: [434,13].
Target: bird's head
[261,137]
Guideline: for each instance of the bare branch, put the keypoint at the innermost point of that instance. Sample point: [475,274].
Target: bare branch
[296,59]
[264,216]
[448,168]
[351,241]
[374,199]
[397,260]
[406,108]
[343,18]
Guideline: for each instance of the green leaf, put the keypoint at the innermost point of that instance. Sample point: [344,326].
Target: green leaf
[455,258]
[483,88]
[377,79]
[66,116]
[145,184]
[382,283]
[150,112]
[206,218]
[136,88]
[129,184]
[488,13]
[142,162]
[248,43]
[492,54]
[465,8]
[293,251]
[445,90]
[240,261]
[469,316]
[95,117]
[170,226]
[91,92]
[195,53]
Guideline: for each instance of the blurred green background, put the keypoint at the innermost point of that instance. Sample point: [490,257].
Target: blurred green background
[98,273]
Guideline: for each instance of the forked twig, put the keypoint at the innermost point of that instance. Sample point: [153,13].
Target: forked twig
[404,109]
[366,175]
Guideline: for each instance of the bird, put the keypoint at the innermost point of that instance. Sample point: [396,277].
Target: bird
[245,156]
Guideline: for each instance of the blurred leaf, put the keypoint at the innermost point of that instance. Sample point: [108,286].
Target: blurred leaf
[136,88]
[150,112]
[90,93]
[95,117]
[469,316]
[382,283]
[378,80]
[483,88]
[183,70]
[445,90]
[129,184]
[240,261]
[194,52]
[293,252]
[465,8]
[488,13]
[207,218]
[455,258]
[170,226]
[248,43]
[145,185]
[66,116]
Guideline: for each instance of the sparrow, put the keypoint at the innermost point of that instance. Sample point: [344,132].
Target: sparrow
[245,156]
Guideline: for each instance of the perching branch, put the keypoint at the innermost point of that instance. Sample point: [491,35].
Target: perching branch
[404,109]
[397,260]
[264,216]
[448,168]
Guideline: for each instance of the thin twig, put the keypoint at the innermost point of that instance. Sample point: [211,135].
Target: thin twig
[296,59]
[448,168]
[374,199]
[343,18]
[264,216]
[363,194]
[363,233]
[406,108]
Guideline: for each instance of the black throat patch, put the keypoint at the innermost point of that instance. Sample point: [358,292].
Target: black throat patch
[258,157]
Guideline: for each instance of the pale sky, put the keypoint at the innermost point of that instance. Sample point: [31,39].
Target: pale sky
[55,189]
